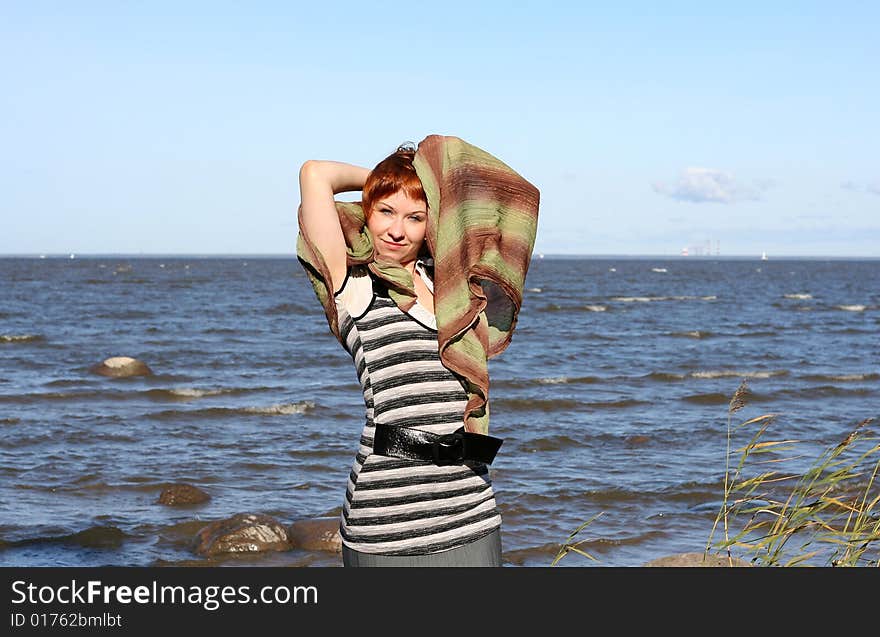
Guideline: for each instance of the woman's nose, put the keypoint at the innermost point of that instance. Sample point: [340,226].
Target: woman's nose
[396,228]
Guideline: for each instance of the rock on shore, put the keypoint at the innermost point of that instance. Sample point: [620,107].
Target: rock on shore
[242,533]
[122,367]
[319,534]
[182,494]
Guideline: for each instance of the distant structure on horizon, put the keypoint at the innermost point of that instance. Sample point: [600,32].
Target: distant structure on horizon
[702,249]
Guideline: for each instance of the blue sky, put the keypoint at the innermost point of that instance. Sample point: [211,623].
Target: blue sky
[179,127]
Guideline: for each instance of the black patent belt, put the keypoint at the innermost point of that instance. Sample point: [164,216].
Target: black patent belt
[441,449]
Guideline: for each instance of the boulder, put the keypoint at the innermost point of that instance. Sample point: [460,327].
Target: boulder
[242,533]
[182,493]
[318,534]
[122,367]
[697,560]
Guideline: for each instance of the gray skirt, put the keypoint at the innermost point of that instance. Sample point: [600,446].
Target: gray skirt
[484,552]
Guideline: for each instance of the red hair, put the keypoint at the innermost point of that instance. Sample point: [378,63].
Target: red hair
[394,173]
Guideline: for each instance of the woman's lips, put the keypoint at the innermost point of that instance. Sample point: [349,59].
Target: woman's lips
[393,246]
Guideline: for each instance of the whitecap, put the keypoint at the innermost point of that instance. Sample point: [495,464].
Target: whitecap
[19,338]
[725,373]
[284,409]
[595,308]
[658,270]
[798,296]
[636,299]
[191,392]
[851,308]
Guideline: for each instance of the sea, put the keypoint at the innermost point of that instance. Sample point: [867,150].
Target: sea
[613,400]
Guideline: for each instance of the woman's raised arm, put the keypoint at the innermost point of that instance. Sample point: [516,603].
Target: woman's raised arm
[319,181]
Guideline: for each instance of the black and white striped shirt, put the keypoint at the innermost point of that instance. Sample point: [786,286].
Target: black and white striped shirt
[395,506]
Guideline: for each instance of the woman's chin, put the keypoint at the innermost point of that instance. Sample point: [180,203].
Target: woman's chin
[388,258]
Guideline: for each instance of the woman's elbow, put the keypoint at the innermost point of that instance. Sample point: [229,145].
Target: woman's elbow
[311,169]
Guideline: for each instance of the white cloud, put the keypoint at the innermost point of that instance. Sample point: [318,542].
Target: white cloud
[701,185]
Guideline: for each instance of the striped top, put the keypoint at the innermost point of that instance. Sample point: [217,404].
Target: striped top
[398,506]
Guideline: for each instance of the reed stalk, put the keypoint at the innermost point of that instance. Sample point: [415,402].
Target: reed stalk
[826,515]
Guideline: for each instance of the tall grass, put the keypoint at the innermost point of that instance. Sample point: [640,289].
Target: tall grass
[827,515]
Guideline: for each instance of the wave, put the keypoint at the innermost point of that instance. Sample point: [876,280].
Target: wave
[648,299]
[9,421]
[798,296]
[555,380]
[95,537]
[665,376]
[127,314]
[851,308]
[283,409]
[727,373]
[754,334]
[591,307]
[179,394]
[67,382]
[825,391]
[713,398]
[114,281]
[21,338]
[693,334]
[190,393]
[717,373]
[842,377]
[535,404]
[562,404]
[550,443]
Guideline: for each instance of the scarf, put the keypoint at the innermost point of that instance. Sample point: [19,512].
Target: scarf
[481,227]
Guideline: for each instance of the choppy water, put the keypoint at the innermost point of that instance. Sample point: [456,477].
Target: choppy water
[612,398]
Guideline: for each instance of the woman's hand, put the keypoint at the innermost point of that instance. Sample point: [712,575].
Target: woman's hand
[319,181]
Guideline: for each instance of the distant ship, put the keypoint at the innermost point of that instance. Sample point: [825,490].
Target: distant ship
[763,256]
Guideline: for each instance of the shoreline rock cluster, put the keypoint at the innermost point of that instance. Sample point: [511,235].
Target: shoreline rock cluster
[249,532]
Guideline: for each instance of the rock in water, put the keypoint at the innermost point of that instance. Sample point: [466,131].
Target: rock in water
[697,560]
[320,534]
[122,367]
[177,494]
[242,533]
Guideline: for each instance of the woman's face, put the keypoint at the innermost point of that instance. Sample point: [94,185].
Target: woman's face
[398,225]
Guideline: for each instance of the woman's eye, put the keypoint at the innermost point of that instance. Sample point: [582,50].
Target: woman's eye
[385,211]
[416,218]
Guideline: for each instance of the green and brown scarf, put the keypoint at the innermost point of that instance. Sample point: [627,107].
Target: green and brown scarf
[482,222]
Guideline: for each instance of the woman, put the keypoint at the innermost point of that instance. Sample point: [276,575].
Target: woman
[419,492]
